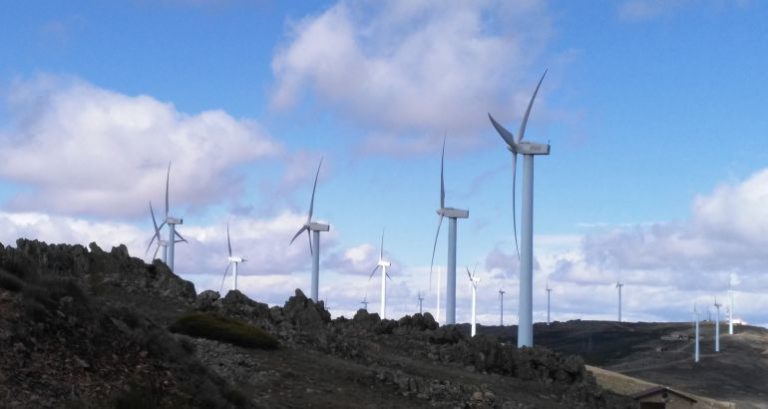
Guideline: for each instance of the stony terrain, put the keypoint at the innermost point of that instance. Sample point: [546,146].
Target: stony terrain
[85,328]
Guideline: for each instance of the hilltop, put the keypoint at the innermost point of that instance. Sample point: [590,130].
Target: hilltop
[86,328]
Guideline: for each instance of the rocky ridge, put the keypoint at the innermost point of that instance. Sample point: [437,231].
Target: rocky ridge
[88,329]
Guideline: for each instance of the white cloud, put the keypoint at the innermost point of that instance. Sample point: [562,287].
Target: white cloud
[409,68]
[84,150]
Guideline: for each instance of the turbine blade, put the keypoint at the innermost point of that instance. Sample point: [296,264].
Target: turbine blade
[381,249]
[167,183]
[524,123]
[469,275]
[309,238]
[229,244]
[434,247]
[390,278]
[181,238]
[157,230]
[312,201]
[514,201]
[373,272]
[442,180]
[505,134]
[225,276]
[154,256]
[301,230]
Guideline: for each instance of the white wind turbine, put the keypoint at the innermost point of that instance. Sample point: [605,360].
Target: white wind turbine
[528,150]
[717,326]
[501,307]
[421,299]
[315,229]
[730,309]
[233,261]
[549,296]
[365,302]
[696,333]
[161,243]
[173,235]
[619,285]
[452,214]
[383,264]
[473,280]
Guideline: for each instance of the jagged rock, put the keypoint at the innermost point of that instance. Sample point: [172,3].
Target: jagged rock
[238,304]
[305,313]
[205,300]
[447,334]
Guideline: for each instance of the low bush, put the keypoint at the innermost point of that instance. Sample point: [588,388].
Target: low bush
[219,328]
[10,282]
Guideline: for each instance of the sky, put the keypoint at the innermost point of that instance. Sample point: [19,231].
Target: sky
[655,112]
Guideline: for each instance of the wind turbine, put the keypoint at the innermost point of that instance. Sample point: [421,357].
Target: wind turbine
[501,307]
[619,285]
[696,342]
[383,264]
[549,293]
[717,326]
[234,261]
[315,229]
[365,303]
[452,214]
[473,282]
[420,301]
[161,243]
[528,150]
[730,309]
[173,236]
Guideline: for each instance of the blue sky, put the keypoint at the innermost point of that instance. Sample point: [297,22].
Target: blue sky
[654,110]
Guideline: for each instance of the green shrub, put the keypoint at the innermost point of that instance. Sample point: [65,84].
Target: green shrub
[225,329]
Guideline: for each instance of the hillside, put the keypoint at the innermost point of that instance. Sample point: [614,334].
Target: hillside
[662,353]
[85,328]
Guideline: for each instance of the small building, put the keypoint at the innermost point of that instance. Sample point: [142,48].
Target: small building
[661,397]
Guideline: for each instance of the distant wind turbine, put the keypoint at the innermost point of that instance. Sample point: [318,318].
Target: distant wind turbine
[233,261]
[619,285]
[383,264]
[161,243]
[549,293]
[173,235]
[730,309]
[365,303]
[528,150]
[421,299]
[717,326]
[696,334]
[314,241]
[501,307]
[473,280]
[452,214]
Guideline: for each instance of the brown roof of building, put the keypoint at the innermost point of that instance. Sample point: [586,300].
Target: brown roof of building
[659,389]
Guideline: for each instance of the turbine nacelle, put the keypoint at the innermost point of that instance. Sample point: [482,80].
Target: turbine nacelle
[236,259]
[531,148]
[315,226]
[453,213]
[383,263]
[174,220]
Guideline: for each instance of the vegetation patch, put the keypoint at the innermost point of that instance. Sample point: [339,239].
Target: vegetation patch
[219,328]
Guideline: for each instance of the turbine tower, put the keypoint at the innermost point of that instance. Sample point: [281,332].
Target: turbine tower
[365,303]
[619,285]
[439,281]
[162,245]
[173,235]
[717,326]
[420,301]
[549,294]
[528,150]
[383,264]
[730,309]
[696,332]
[501,307]
[233,261]
[453,215]
[473,280]
[314,241]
